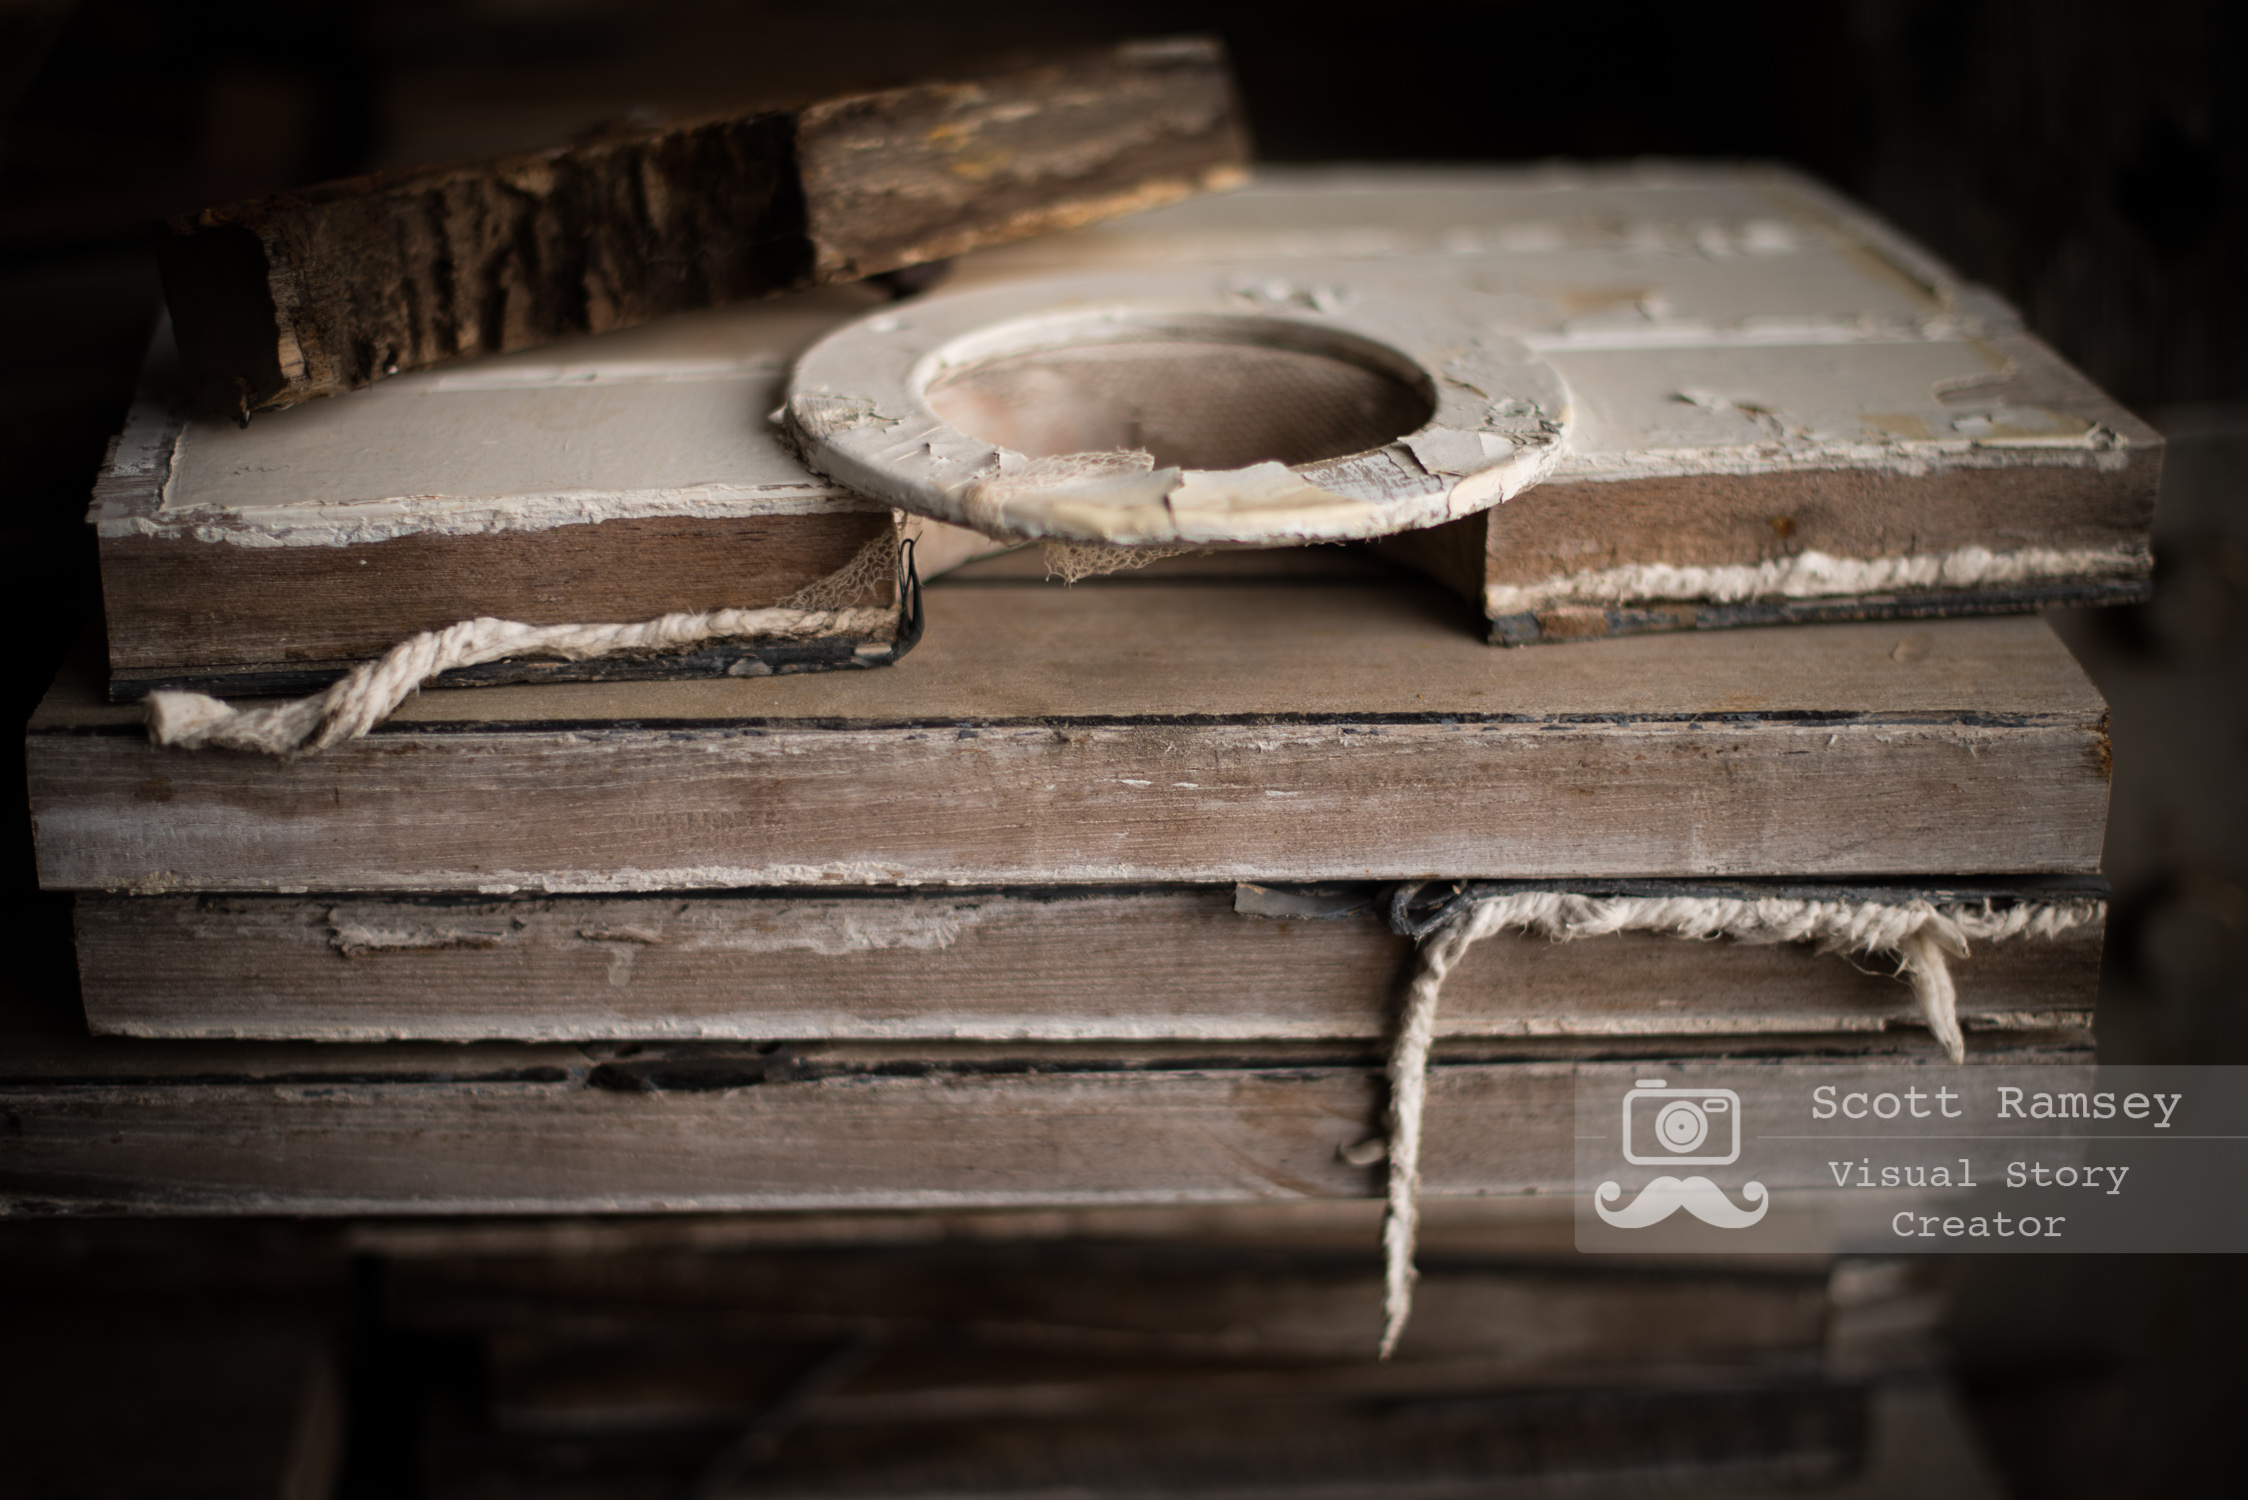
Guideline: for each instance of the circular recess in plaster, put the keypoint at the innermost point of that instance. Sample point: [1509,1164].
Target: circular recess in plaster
[1224,399]
[1166,409]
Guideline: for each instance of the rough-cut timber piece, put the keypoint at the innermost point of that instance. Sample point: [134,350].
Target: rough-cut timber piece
[1494,1317]
[1782,409]
[1003,1354]
[1156,732]
[603,480]
[1781,412]
[1046,1354]
[1055,966]
[1044,1427]
[1195,1433]
[103,1125]
[331,288]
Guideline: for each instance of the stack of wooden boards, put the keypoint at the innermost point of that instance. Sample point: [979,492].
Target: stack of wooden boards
[1034,829]
[1782,413]
[1783,409]
[1082,903]
[1076,1000]
[615,480]
[1201,1351]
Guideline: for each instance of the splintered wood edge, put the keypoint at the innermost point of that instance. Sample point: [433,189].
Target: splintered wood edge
[545,1135]
[993,965]
[263,326]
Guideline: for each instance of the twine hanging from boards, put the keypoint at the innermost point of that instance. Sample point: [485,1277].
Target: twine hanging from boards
[1917,936]
[371,692]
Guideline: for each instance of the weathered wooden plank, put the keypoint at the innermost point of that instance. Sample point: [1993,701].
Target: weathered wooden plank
[333,287]
[1189,1437]
[1512,1230]
[553,1142]
[1572,559]
[269,609]
[239,1129]
[1490,1322]
[1396,652]
[628,809]
[560,1387]
[1145,734]
[556,486]
[610,479]
[1057,966]
[1762,375]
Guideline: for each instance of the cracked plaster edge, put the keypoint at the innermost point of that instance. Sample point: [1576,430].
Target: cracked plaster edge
[1140,499]
[1204,506]
[356,522]
[2109,453]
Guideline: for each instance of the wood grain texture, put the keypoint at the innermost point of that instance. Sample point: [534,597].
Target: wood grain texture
[539,1138]
[1758,369]
[1570,526]
[1516,1231]
[548,487]
[178,606]
[1152,734]
[614,808]
[1183,1299]
[1171,1433]
[927,173]
[1051,1342]
[1576,527]
[225,1128]
[1062,966]
[333,287]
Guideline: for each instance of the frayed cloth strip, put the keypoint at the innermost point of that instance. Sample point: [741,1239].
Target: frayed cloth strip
[1918,936]
[1071,561]
[1815,575]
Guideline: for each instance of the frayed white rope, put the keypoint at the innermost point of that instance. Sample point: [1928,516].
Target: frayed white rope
[1408,1093]
[1917,935]
[371,692]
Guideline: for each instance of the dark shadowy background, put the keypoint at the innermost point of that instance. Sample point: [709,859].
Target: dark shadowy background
[2085,159]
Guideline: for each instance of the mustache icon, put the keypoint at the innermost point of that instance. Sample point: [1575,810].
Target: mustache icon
[1699,1196]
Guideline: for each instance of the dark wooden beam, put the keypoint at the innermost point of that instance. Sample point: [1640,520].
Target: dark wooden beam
[332,287]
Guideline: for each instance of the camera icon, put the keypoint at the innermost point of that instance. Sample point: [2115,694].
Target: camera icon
[1665,1126]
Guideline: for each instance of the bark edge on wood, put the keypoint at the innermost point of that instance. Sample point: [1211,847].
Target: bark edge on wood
[335,286]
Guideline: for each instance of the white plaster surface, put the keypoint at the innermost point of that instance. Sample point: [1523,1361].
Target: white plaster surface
[1705,319]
